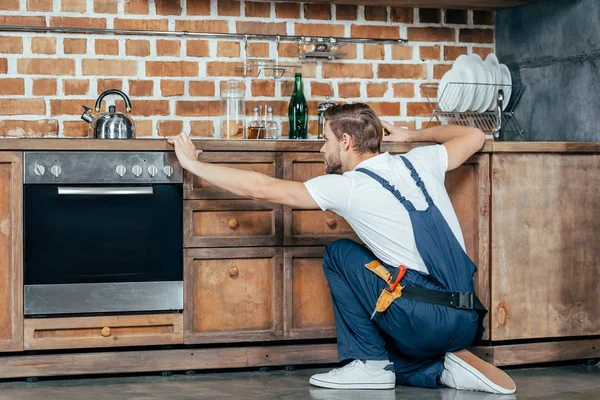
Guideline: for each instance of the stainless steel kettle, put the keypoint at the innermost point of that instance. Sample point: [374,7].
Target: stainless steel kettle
[111,124]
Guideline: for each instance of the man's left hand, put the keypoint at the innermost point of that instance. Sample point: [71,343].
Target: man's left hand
[185,150]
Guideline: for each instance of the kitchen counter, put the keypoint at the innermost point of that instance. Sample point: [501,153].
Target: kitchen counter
[55,144]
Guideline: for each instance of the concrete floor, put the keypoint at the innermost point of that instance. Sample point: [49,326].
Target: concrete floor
[575,382]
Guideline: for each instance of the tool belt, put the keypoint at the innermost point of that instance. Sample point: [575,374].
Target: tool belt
[462,300]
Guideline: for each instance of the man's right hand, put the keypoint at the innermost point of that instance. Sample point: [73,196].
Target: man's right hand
[397,134]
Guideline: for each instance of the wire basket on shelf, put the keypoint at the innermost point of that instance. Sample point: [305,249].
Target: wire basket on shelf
[480,105]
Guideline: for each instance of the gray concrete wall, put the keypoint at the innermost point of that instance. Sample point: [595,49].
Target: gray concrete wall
[553,49]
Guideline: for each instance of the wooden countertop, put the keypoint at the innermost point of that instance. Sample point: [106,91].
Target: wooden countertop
[85,144]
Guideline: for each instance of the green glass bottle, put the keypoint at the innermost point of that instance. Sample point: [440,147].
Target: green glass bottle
[298,112]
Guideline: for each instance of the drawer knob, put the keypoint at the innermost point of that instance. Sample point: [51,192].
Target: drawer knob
[233,223]
[233,271]
[105,331]
[331,222]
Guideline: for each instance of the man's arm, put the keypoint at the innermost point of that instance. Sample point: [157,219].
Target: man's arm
[461,142]
[242,183]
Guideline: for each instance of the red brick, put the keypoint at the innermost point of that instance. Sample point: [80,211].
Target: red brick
[483,51]
[430,15]
[287,10]
[401,71]
[317,11]
[22,107]
[140,48]
[483,17]
[338,70]
[73,6]
[258,10]
[45,66]
[375,31]
[457,17]
[168,7]
[44,87]
[198,7]
[76,87]
[259,50]
[346,12]
[224,84]
[210,26]
[40,5]
[476,36]
[202,88]
[195,108]
[375,13]
[451,53]
[142,24]
[105,6]
[19,20]
[404,90]
[76,129]
[107,84]
[228,8]
[106,47]
[171,68]
[39,128]
[143,128]
[140,7]
[288,50]
[197,48]
[168,48]
[322,29]
[286,88]
[263,88]
[222,68]
[386,108]
[3,65]
[109,67]
[349,89]
[376,89]
[351,50]
[440,69]
[69,107]
[11,44]
[170,128]
[374,52]
[321,89]
[263,28]
[420,109]
[430,34]
[73,22]
[145,108]
[74,46]
[202,129]
[228,49]
[141,88]
[402,14]
[429,52]
[171,88]
[9,5]
[12,86]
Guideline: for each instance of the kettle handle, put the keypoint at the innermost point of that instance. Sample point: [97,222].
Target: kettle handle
[113,91]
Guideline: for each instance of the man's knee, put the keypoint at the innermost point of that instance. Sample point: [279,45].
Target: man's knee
[338,251]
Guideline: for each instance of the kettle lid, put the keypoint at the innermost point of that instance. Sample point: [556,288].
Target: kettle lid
[325,105]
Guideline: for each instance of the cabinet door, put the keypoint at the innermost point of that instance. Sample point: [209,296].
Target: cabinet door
[310,227]
[545,245]
[11,252]
[308,310]
[233,295]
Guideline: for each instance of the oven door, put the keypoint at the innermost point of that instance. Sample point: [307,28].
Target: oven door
[99,249]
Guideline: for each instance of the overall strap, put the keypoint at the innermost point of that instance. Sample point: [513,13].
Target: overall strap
[387,185]
[417,179]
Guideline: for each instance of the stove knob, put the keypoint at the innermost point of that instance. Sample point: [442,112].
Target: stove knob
[137,170]
[39,170]
[152,170]
[55,171]
[121,170]
[168,170]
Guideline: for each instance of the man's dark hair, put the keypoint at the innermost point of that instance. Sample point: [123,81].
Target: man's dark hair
[360,122]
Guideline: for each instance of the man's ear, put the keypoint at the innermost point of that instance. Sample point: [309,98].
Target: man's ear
[346,141]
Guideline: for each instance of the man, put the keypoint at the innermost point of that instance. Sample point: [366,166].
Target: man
[394,298]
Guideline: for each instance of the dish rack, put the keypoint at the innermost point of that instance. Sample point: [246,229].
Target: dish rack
[499,121]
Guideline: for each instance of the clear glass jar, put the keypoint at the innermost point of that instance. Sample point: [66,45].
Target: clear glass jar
[233,111]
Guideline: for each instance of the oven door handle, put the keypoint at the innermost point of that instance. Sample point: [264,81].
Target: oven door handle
[103,191]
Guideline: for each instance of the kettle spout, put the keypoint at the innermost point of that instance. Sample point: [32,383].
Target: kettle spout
[87,114]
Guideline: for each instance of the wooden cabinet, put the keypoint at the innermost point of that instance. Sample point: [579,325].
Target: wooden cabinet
[11,251]
[233,295]
[103,331]
[308,309]
[545,245]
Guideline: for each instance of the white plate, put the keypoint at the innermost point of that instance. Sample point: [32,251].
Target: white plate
[489,89]
[506,81]
[467,90]
[492,61]
[449,95]
[480,78]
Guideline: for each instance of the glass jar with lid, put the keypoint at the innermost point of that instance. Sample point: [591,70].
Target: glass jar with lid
[233,111]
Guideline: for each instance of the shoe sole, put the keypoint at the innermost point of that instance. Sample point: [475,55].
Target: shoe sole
[331,385]
[497,380]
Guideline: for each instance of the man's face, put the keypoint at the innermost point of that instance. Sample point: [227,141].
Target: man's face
[332,152]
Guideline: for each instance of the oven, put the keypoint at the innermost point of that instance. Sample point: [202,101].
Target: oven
[103,232]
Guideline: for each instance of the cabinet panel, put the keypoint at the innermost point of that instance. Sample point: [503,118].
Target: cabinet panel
[233,295]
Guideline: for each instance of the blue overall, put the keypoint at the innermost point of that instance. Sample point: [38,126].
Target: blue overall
[414,335]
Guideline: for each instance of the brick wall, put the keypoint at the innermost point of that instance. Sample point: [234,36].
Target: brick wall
[174,84]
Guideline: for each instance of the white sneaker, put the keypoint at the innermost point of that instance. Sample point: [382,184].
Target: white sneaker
[464,370]
[355,375]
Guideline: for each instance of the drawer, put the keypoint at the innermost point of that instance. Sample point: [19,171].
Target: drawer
[308,309]
[196,188]
[103,331]
[233,295]
[231,223]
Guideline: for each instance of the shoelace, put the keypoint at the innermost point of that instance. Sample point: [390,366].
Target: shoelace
[345,368]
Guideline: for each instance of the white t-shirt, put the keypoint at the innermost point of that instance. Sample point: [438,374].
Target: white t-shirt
[377,217]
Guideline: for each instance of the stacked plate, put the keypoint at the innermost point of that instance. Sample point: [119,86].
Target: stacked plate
[472,84]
